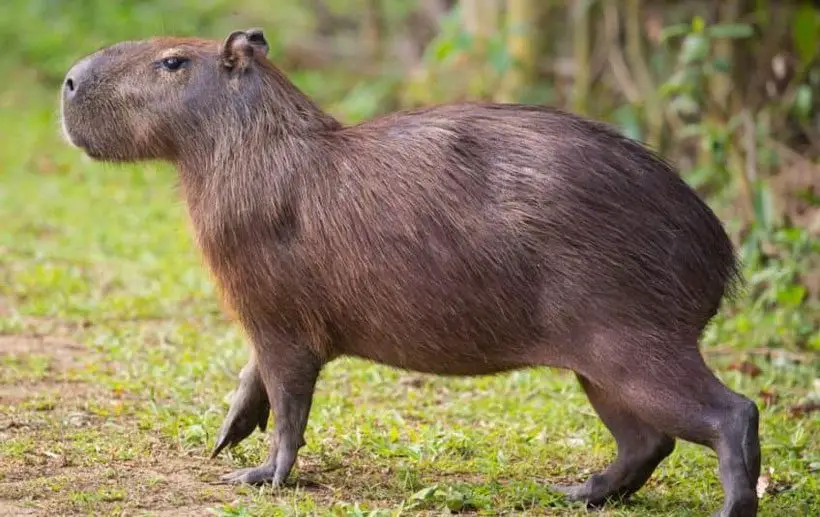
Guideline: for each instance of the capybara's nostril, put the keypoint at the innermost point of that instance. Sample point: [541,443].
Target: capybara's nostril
[70,88]
[75,78]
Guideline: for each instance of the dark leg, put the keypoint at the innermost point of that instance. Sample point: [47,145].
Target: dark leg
[249,409]
[738,450]
[289,374]
[672,389]
[640,449]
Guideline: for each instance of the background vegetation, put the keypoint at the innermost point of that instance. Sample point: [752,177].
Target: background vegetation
[114,357]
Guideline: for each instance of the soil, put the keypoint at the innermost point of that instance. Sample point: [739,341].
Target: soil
[40,481]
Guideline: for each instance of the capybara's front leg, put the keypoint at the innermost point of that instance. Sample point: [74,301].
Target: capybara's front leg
[249,409]
[289,373]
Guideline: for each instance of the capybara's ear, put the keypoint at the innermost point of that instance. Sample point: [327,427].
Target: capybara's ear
[257,39]
[239,47]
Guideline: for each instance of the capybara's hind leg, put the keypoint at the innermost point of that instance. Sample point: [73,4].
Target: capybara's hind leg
[640,449]
[669,386]
[738,450]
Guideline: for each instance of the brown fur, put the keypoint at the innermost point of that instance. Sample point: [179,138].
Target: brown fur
[459,239]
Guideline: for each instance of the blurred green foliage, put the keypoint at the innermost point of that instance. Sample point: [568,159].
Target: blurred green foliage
[48,34]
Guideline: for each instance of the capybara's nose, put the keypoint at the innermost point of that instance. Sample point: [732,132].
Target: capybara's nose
[74,79]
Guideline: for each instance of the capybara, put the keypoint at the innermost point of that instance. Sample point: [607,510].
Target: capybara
[461,239]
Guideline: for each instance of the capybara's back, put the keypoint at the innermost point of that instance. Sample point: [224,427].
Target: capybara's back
[462,239]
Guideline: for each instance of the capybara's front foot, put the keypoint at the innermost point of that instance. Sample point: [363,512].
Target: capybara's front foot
[253,476]
[574,493]
[249,409]
[593,492]
[577,492]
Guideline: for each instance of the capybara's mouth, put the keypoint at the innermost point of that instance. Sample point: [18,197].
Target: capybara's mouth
[66,133]
[82,144]
[78,141]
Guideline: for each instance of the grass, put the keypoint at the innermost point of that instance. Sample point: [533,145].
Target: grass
[115,361]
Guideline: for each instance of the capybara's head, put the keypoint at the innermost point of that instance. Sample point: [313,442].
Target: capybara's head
[150,99]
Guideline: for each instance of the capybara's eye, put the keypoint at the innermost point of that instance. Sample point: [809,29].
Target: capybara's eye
[173,63]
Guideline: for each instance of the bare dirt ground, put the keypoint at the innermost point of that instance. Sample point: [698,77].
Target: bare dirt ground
[40,465]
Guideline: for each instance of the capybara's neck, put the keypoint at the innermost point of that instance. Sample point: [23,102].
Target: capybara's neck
[248,180]
[283,102]
[247,150]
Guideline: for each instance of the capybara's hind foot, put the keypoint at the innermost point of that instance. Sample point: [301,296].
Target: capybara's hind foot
[743,507]
[252,476]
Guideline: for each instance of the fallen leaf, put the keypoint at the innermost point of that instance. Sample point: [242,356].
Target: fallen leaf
[45,165]
[768,397]
[762,485]
[574,441]
[746,367]
[413,381]
[804,409]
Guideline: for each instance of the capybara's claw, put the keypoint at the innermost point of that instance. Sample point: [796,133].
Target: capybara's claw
[248,410]
[238,427]
[221,442]
[251,476]
[233,431]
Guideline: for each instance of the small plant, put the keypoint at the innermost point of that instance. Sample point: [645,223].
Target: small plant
[690,102]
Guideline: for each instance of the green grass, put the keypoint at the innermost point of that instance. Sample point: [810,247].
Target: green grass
[115,361]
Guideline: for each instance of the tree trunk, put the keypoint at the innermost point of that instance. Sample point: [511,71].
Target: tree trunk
[523,45]
[638,63]
[481,21]
[581,55]
[373,29]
